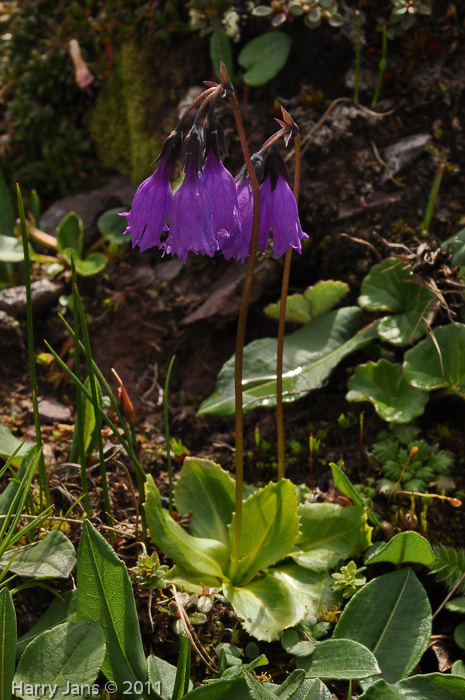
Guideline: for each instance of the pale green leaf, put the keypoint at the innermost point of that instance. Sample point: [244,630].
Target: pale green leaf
[9,443]
[269,528]
[63,609]
[330,533]
[439,363]
[264,56]
[266,606]
[315,301]
[198,554]
[311,588]
[11,249]
[208,491]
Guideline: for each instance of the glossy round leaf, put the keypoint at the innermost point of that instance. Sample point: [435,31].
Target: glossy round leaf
[406,547]
[383,384]
[440,363]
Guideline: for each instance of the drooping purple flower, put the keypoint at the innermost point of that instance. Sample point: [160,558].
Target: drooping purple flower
[221,187]
[191,219]
[278,208]
[152,201]
[238,245]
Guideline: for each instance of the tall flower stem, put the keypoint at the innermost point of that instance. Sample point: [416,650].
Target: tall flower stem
[281,328]
[240,337]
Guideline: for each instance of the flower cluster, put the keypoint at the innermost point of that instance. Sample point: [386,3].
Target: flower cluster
[210,211]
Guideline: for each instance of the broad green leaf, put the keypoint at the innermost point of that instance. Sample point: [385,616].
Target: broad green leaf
[406,547]
[259,691]
[11,249]
[456,605]
[459,635]
[193,581]
[383,384]
[315,301]
[311,588]
[432,686]
[315,689]
[229,689]
[221,50]
[330,533]
[90,265]
[391,616]
[198,554]
[7,217]
[70,655]
[293,687]
[264,56]
[63,609]
[8,495]
[105,596]
[266,606]
[9,443]
[7,643]
[456,246]
[339,659]
[433,365]
[208,491]
[269,528]
[112,226]
[54,556]
[390,286]
[310,355]
[458,668]
[70,236]
[161,676]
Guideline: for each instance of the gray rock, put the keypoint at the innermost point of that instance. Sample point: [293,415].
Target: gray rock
[45,293]
[118,190]
[51,411]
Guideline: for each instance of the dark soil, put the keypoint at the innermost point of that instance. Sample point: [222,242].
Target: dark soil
[354,208]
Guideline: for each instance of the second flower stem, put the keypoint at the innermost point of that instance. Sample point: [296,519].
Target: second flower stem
[240,338]
[281,329]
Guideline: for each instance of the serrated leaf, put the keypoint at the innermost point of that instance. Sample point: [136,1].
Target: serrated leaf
[383,384]
[330,533]
[71,653]
[317,300]
[54,557]
[7,643]
[339,659]
[391,616]
[440,363]
[63,609]
[266,606]
[198,554]
[105,596]
[264,56]
[432,686]
[390,286]
[403,548]
[208,491]
[310,355]
[270,514]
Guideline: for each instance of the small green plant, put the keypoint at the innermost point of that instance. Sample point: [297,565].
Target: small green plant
[349,579]
[411,464]
[149,573]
